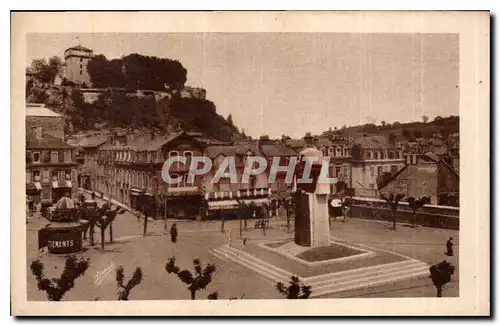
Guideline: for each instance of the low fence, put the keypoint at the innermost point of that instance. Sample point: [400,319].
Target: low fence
[445,217]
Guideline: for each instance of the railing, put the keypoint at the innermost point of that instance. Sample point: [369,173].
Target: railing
[243,193]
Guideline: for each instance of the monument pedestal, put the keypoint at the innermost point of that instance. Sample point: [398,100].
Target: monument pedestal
[311,220]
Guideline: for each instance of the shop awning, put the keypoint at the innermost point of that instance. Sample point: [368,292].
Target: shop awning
[222,204]
[183,191]
[31,189]
[61,184]
[257,201]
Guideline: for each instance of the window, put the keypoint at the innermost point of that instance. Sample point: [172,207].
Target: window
[46,175]
[54,157]
[67,156]
[36,176]
[390,155]
[346,171]
[394,168]
[173,153]
[36,157]
[81,66]
[382,156]
[188,155]
[380,171]
[398,154]
[67,175]
[372,186]
[337,171]
[376,155]
[372,171]
[81,60]
[81,73]
[55,175]
[346,153]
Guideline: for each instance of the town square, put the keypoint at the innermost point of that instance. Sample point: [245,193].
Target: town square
[140,186]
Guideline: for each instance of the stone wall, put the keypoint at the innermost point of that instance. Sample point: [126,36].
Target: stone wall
[431,216]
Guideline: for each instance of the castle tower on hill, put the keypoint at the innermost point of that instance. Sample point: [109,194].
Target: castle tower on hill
[75,65]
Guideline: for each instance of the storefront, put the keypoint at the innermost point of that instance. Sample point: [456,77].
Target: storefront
[33,192]
[134,197]
[61,188]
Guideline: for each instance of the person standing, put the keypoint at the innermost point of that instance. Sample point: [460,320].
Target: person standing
[449,247]
[173,233]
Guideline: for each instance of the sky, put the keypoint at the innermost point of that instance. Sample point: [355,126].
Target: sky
[292,83]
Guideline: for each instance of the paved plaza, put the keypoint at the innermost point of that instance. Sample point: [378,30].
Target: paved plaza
[395,262]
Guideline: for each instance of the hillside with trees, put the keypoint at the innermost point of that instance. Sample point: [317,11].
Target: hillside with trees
[410,131]
[116,106]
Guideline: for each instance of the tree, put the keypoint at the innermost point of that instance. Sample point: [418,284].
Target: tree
[202,276]
[383,123]
[45,71]
[105,217]
[438,118]
[98,69]
[56,288]
[295,289]
[425,119]
[440,274]
[125,289]
[393,202]
[246,212]
[230,119]
[415,204]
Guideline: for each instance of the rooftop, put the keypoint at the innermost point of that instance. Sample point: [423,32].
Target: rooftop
[374,141]
[79,48]
[39,110]
[47,142]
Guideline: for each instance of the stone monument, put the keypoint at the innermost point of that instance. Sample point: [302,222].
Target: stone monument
[311,217]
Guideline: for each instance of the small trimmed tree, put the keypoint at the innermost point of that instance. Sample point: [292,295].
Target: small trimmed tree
[105,217]
[56,288]
[392,201]
[124,289]
[440,274]
[415,204]
[295,289]
[199,281]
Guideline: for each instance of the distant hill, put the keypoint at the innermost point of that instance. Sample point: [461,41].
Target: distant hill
[410,131]
[131,111]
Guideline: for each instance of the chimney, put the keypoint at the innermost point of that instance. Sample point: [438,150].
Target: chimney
[38,132]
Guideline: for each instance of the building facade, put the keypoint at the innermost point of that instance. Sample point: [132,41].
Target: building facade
[51,166]
[87,153]
[374,158]
[426,175]
[76,60]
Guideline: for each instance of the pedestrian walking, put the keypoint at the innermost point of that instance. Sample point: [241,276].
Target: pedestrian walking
[449,247]
[173,233]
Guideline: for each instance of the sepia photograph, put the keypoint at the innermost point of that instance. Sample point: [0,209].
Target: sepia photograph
[261,165]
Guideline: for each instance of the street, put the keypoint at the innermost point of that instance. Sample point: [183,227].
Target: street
[231,280]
